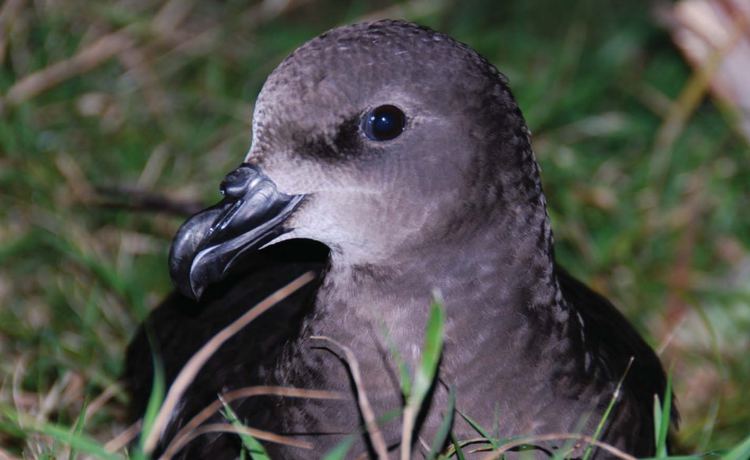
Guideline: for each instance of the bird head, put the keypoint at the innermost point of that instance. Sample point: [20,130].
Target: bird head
[375,139]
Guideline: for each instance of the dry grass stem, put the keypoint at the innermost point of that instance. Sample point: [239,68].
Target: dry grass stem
[137,64]
[139,200]
[196,362]
[183,436]
[692,94]
[371,424]
[407,430]
[172,14]
[75,178]
[99,402]
[467,442]
[8,13]
[124,437]
[424,444]
[15,387]
[154,167]
[258,434]
[52,398]
[91,56]
[700,28]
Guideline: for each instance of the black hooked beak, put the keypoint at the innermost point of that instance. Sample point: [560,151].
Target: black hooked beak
[251,214]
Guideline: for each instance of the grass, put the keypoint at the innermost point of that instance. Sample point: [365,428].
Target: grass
[655,222]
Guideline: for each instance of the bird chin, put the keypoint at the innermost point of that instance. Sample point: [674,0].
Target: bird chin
[252,215]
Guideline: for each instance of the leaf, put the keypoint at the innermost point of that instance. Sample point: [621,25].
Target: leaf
[445,426]
[740,452]
[608,411]
[425,374]
[252,445]
[457,448]
[78,426]
[62,434]
[431,350]
[662,417]
[339,452]
[155,400]
[403,369]
[657,421]
[479,429]
[77,441]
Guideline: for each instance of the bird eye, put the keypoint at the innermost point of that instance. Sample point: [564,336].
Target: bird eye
[383,123]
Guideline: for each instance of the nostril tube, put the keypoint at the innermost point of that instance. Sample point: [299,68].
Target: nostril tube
[237,182]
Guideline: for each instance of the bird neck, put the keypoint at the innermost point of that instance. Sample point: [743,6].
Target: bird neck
[503,267]
[499,293]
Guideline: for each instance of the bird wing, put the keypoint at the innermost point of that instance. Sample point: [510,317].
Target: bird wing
[179,327]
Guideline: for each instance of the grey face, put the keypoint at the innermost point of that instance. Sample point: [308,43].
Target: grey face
[463,150]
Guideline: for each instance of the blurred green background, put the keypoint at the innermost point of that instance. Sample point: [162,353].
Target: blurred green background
[140,100]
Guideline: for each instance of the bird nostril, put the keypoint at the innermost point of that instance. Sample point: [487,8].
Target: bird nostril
[237,182]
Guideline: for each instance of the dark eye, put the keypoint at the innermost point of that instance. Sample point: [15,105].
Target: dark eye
[384,123]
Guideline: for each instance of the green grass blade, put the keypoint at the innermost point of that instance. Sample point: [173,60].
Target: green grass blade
[479,429]
[78,442]
[78,427]
[457,448]
[425,373]
[657,420]
[339,452]
[431,350]
[661,424]
[403,368]
[445,426]
[154,402]
[608,411]
[252,445]
[740,452]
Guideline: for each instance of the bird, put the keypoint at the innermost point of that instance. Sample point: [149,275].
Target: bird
[393,163]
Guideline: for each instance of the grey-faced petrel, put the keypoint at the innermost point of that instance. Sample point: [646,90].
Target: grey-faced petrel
[392,161]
